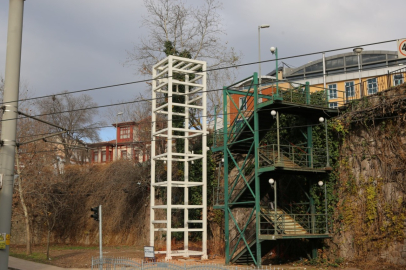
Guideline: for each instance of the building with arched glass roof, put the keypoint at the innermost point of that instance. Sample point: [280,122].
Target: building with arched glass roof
[345,78]
[378,71]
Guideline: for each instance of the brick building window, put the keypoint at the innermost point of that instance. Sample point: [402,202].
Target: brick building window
[96,157]
[124,154]
[103,156]
[124,132]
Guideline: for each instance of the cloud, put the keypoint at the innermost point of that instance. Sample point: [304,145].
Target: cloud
[76,44]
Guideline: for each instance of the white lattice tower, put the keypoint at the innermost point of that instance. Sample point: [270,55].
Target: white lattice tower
[173,78]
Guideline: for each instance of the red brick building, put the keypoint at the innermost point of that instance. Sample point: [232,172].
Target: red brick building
[131,144]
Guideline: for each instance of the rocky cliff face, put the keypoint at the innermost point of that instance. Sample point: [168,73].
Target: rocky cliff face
[370,221]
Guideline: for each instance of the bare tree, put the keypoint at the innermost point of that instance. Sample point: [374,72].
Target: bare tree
[74,113]
[193,29]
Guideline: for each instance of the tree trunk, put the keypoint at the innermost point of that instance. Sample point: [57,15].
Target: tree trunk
[48,239]
[23,205]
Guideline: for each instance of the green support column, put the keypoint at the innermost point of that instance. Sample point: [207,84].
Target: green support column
[225,155]
[312,214]
[257,186]
[314,248]
[309,131]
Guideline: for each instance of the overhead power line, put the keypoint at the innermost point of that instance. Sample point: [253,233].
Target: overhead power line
[208,70]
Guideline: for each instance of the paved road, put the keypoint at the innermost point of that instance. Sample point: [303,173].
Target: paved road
[19,264]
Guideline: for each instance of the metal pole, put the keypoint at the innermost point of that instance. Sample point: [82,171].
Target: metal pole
[359,74]
[325,202]
[324,78]
[276,206]
[116,137]
[327,151]
[259,56]
[9,123]
[257,178]
[324,72]
[225,155]
[277,72]
[100,234]
[277,135]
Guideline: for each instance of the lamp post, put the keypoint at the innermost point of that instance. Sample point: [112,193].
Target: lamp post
[259,53]
[272,182]
[274,50]
[120,113]
[275,114]
[358,51]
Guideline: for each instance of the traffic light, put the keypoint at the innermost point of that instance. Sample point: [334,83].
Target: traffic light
[95,211]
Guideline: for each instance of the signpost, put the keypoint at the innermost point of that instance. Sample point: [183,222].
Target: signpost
[149,253]
[402,48]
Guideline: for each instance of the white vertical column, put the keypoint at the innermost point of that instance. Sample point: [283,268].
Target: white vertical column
[186,164]
[153,162]
[165,70]
[204,162]
[169,163]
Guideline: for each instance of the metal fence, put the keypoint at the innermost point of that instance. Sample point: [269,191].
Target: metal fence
[132,264]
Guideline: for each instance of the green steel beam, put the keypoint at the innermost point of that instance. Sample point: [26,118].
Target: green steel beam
[244,140]
[240,113]
[242,237]
[225,155]
[240,175]
[238,82]
[257,185]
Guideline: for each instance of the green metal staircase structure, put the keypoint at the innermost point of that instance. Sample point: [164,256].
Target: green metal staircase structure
[248,166]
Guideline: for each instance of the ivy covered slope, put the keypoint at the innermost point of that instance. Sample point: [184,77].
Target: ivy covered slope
[370,179]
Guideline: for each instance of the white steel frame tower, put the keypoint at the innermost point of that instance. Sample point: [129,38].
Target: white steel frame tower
[169,76]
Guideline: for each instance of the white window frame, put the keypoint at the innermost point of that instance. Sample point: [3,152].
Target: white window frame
[350,93]
[103,158]
[125,132]
[396,80]
[332,91]
[333,105]
[372,85]
[241,101]
[96,157]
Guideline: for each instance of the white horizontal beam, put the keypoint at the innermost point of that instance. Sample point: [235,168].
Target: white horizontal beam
[195,221]
[195,99]
[178,184]
[161,107]
[160,131]
[177,206]
[173,113]
[159,221]
[186,83]
[186,230]
[187,105]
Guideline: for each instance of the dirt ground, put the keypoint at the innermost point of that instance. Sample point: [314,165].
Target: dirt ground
[81,256]
[69,256]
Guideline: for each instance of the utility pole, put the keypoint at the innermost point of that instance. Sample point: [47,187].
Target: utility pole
[9,123]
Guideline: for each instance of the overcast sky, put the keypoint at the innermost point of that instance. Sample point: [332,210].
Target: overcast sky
[78,44]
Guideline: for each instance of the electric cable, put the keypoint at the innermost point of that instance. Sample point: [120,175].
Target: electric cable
[163,140]
[207,70]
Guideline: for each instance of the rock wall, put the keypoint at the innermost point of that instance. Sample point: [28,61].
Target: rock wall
[370,218]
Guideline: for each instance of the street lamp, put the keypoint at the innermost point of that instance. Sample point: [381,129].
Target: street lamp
[358,51]
[274,50]
[120,113]
[259,53]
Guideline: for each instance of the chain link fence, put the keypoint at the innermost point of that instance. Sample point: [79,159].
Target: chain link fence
[136,264]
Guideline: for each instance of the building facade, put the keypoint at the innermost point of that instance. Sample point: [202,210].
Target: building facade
[346,78]
[129,144]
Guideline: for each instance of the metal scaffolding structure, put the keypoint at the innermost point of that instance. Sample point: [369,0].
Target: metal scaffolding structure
[178,94]
[258,215]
